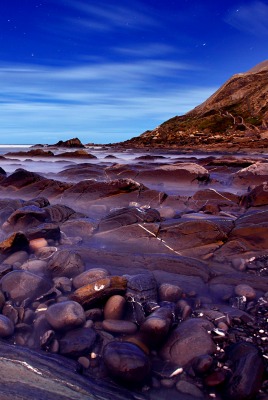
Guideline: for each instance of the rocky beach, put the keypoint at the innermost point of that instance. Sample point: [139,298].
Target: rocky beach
[134,273]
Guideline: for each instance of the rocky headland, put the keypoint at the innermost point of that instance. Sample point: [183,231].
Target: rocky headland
[235,117]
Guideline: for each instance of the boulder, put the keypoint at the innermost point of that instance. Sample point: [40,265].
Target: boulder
[71,143]
[89,276]
[45,231]
[174,174]
[24,217]
[256,197]
[31,153]
[65,315]
[126,361]
[77,342]
[188,341]
[76,154]
[66,263]
[89,190]
[255,174]
[59,213]
[22,285]
[21,178]
[127,216]
[190,233]
[248,368]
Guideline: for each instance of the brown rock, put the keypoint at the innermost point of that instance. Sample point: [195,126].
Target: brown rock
[24,217]
[115,307]
[71,143]
[156,326]
[256,197]
[99,290]
[119,326]
[245,290]
[15,242]
[188,341]
[255,174]
[21,178]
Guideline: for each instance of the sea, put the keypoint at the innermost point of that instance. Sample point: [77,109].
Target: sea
[6,148]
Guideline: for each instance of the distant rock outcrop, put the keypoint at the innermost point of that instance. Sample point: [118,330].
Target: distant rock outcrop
[70,143]
[235,116]
[31,153]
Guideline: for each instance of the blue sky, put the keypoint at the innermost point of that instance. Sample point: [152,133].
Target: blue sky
[107,70]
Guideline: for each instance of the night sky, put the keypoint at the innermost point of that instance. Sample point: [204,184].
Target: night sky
[107,70]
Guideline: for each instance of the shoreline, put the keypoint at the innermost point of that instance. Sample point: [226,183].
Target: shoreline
[172,245]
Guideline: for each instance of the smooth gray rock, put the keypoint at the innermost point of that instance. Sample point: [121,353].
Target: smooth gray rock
[65,315]
[22,285]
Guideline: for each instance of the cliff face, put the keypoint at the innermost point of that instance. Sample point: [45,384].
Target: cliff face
[236,114]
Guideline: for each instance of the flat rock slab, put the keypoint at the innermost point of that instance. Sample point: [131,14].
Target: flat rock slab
[50,377]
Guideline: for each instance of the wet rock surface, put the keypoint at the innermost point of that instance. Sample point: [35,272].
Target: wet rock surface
[149,291]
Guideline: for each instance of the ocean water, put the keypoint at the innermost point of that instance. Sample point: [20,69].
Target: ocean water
[6,148]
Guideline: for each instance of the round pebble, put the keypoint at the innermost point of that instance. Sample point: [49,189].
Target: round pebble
[223,326]
[168,292]
[63,283]
[215,378]
[35,266]
[6,326]
[89,276]
[115,307]
[119,326]
[36,244]
[84,361]
[65,315]
[18,256]
[245,290]
[126,361]
[202,363]
[155,329]
[77,342]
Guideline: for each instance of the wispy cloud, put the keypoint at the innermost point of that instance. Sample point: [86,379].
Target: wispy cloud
[109,16]
[251,18]
[121,98]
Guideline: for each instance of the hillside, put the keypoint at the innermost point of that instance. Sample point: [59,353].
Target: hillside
[236,115]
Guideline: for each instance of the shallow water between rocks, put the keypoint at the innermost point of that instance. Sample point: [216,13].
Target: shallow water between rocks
[135,274]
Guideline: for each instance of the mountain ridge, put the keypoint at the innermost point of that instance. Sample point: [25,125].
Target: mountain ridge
[235,115]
